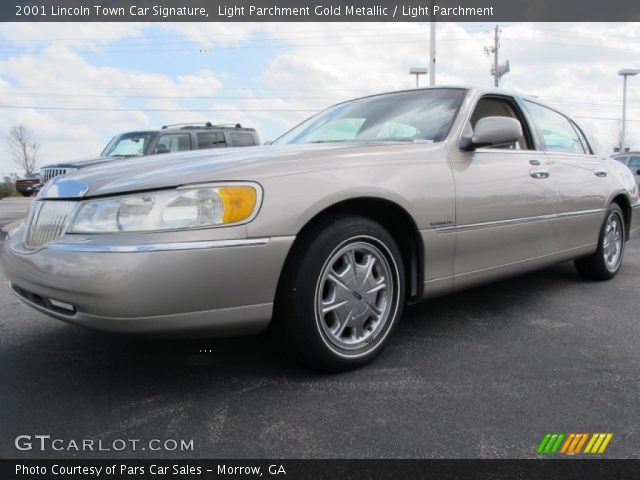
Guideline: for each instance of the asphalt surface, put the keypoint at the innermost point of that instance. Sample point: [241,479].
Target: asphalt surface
[484,373]
[12,209]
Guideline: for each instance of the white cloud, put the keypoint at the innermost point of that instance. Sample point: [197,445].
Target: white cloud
[303,66]
[73,134]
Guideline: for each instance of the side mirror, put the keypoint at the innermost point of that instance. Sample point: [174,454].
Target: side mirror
[491,132]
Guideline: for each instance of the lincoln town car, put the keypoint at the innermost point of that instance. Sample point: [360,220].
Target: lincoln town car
[324,235]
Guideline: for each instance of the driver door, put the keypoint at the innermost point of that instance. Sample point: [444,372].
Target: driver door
[506,202]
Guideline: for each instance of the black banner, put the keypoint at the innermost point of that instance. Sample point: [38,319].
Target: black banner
[319,469]
[318,11]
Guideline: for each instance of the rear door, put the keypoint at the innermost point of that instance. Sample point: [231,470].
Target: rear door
[505,200]
[580,175]
[211,140]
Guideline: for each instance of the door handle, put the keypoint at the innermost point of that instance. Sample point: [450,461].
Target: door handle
[600,172]
[539,173]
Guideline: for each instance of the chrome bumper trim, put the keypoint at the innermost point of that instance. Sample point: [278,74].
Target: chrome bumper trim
[155,247]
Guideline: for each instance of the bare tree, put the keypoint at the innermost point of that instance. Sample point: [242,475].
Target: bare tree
[629,139]
[23,147]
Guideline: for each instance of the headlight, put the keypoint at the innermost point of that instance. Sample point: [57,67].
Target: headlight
[187,207]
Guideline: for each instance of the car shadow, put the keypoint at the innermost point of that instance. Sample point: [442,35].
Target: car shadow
[74,352]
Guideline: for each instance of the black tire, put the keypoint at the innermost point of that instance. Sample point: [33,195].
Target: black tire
[597,266]
[307,281]
[26,194]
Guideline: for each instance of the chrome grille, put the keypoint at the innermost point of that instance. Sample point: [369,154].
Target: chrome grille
[47,221]
[47,174]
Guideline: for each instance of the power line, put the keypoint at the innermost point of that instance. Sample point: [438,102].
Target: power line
[474,28]
[254,45]
[96,109]
[606,118]
[167,97]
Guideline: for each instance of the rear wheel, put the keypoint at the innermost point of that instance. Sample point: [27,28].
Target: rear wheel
[343,293]
[606,261]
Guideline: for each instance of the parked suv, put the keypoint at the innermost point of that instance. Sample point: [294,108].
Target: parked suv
[169,139]
[631,160]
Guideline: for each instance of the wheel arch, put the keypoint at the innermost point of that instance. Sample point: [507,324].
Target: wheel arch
[625,205]
[394,218]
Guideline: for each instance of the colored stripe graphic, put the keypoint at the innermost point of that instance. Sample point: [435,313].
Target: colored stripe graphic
[598,442]
[572,443]
[550,443]
[543,443]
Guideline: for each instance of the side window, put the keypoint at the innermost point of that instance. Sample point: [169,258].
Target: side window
[557,132]
[241,139]
[211,140]
[501,107]
[622,160]
[178,142]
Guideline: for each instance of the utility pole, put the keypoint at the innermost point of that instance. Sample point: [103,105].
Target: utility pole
[432,61]
[497,70]
[627,72]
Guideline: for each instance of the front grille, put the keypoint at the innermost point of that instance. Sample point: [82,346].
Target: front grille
[47,221]
[47,174]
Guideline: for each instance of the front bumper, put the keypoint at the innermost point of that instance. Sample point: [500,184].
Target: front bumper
[216,287]
[28,188]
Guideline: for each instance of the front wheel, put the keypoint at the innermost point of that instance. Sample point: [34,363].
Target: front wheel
[606,261]
[342,294]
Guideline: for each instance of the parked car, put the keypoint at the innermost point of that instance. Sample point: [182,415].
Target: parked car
[169,139]
[631,160]
[373,203]
[28,185]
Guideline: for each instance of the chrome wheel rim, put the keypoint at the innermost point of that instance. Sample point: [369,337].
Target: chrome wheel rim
[354,295]
[612,242]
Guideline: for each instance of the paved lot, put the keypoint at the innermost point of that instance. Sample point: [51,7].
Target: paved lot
[483,373]
[12,209]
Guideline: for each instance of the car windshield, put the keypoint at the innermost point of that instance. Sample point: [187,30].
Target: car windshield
[127,145]
[422,115]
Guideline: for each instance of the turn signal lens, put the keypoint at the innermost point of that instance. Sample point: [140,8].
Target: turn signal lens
[239,203]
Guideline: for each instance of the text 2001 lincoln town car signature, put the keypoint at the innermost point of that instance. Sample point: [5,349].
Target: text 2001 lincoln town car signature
[370,204]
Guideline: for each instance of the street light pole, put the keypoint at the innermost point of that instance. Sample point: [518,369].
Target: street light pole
[624,111]
[627,72]
[417,71]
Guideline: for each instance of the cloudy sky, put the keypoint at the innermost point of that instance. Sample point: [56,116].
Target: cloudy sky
[76,85]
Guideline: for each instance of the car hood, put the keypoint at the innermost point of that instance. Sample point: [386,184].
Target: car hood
[229,164]
[82,163]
